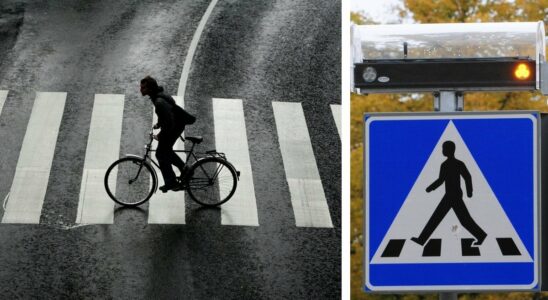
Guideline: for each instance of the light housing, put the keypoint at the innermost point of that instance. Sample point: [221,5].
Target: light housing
[426,75]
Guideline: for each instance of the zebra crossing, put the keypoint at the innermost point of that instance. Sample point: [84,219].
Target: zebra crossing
[336,111]
[168,208]
[303,177]
[94,205]
[33,167]
[28,189]
[231,137]
[3,96]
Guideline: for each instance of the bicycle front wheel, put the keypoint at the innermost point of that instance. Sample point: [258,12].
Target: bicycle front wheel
[130,181]
[212,181]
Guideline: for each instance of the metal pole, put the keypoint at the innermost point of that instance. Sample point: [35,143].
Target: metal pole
[448,101]
[447,296]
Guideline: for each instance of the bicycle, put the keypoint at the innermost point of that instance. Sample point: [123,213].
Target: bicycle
[210,180]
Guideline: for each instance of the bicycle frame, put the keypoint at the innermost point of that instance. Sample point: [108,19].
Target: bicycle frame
[189,153]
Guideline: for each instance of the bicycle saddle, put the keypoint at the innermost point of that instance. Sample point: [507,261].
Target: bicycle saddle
[195,139]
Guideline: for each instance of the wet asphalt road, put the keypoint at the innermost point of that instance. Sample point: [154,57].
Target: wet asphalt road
[258,51]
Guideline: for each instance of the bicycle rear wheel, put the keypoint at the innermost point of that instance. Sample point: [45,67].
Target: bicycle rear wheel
[130,181]
[212,181]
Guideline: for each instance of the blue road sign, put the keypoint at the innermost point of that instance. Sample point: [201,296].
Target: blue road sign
[451,201]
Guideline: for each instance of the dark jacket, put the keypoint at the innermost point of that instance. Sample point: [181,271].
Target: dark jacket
[166,110]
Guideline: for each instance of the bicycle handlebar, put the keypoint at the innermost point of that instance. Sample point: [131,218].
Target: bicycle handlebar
[151,135]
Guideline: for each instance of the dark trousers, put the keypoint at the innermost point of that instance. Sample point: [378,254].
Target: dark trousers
[458,206]
[167,157]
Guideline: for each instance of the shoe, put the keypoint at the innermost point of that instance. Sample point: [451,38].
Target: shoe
[164,188]
[416,240]
[170,187]
[479,241]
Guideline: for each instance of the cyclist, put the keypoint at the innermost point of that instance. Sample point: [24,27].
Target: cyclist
[171,120]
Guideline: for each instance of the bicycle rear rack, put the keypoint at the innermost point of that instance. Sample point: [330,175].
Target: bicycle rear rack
[214,153]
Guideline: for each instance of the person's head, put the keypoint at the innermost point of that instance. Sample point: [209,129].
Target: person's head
[448,149]
[149,86]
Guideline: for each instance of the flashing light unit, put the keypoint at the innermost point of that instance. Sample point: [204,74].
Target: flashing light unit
[449,57]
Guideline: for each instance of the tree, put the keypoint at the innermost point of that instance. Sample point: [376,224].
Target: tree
[450,11]
[360,19]
[357,18]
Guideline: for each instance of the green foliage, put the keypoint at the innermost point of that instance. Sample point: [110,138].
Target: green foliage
[449,11]
[357,18]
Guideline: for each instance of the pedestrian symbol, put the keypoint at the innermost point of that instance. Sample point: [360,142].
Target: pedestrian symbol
[451,172]
[451,215]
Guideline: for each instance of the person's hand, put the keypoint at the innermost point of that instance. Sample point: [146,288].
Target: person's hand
[469,193]
[155,136]
[429,189]
[156,126]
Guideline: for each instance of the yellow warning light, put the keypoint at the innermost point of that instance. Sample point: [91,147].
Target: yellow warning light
[522,72]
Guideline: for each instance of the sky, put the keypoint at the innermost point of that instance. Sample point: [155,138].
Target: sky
[381,11]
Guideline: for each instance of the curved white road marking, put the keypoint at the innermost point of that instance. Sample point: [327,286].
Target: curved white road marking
[192,49]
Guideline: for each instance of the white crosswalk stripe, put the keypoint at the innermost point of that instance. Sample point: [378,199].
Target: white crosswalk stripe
[231,138]
[307,194]
[33,167]
[3,96]
[95,206]
[31,178]
[167,208]
[336,110]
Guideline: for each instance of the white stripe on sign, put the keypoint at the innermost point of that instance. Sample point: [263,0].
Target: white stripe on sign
[95,206]
[231,138]
[33,167]
[336,110]
[167,208]
[307,195]
[3,96]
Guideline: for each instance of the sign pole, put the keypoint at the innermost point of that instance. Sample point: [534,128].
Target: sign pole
[447,296]
[448,101]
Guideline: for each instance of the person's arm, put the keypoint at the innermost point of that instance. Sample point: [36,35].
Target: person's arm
[437,182]
[467,180]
